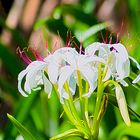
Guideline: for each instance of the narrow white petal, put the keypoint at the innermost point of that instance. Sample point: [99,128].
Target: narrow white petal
[123,83]
[137,79]
[65,74]
[31,82]
[92,48]
[47,85]
[72,85]
[90,76]
[53,71]
[122,67]
[20,77]
[70,58]
[122,105]
[121,51]
[135,61]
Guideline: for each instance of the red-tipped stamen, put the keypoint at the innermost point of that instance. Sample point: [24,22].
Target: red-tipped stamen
[24,58]
[103,38]
[36,55]
[119,33]
[106,38]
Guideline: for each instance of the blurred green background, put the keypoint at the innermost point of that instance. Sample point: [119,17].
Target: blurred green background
[29,23]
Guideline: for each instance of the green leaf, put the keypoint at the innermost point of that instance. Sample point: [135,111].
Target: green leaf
[122,130]
[22,130]
[69,133]
[113,101]
[9,60]
[94,29]
[75,11]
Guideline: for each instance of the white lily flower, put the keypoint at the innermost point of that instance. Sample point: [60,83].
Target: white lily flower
[55,62]
[34,76]
[122,105]
[82,63]
[116,56]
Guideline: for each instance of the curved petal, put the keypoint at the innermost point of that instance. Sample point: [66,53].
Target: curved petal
[32,75]
[20,77]
[91,76]
[65,74]
[121,51]
[47,85]
[92,48]
[122,67]
[135,61]
[137,79]
[53,71]
[72,84]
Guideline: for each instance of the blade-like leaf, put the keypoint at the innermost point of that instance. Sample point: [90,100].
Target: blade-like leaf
[22,130]
[69,133]
[94,29]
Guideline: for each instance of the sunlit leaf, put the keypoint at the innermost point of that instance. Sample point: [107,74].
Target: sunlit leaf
[69,133]
[22,130]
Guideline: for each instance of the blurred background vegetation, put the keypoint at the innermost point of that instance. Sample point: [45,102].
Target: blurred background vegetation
[29,23]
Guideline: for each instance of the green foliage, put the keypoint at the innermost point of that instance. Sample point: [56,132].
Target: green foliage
[42,115]
[22,130]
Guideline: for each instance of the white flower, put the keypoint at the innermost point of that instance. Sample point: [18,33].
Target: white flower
[82,63]
[34,76]
[116,56]
[56,62]
[34,73]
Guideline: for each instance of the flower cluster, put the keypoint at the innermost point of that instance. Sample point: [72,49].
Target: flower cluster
[65,69]
[64,64]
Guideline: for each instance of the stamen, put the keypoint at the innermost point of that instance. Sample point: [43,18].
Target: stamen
[104,41]
[118,34]
[24,58]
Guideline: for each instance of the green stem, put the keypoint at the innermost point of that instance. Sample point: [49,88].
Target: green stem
[80,93]
[71,104]
[96,121]
[66,110]
[86,107]
[96,117]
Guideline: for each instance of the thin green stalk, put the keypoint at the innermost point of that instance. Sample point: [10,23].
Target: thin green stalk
[77,122]
[95,125]
[86,107]
[71,104]
[80,93]
[66,110]
[96,120]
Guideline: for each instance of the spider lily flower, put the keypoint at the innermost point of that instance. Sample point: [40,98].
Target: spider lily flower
[34,76]
[78,63]
[34,73]
[56,62]
[116,56]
